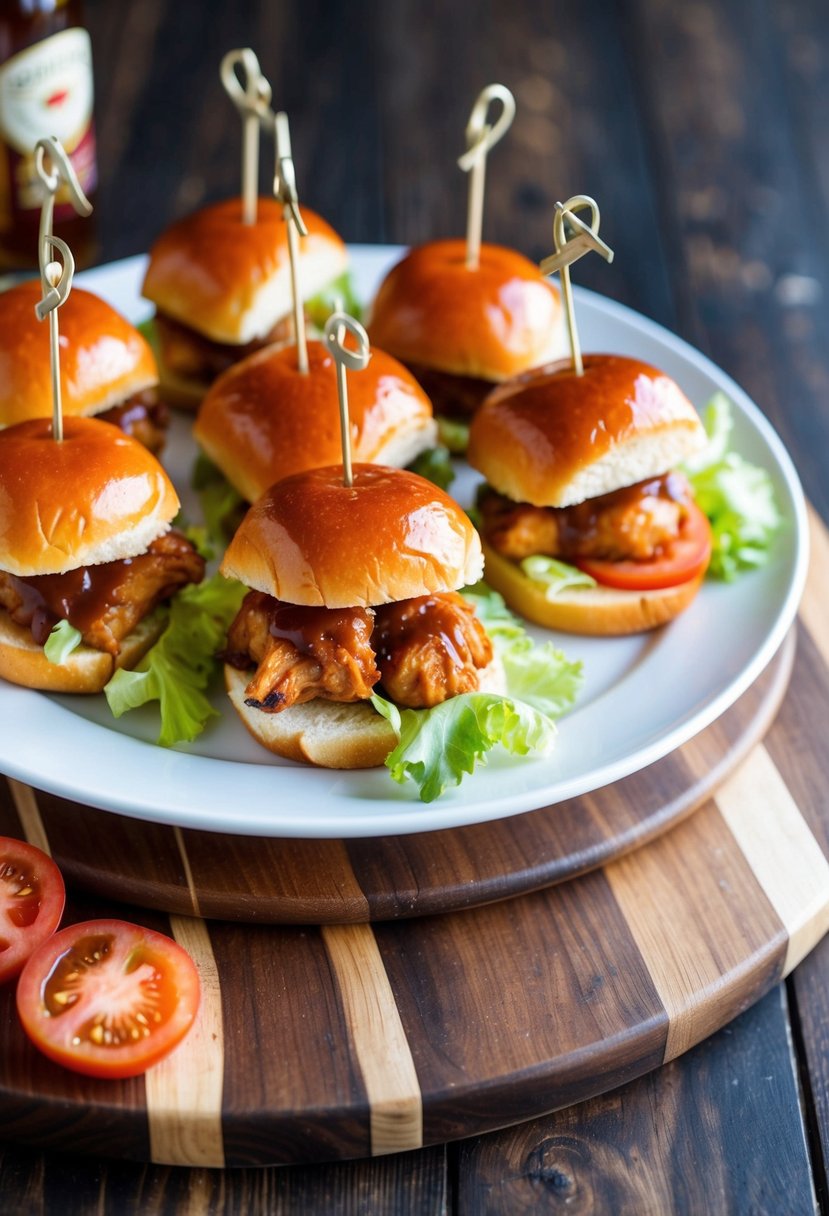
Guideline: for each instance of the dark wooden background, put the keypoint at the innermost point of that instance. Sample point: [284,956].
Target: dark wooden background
[702,128]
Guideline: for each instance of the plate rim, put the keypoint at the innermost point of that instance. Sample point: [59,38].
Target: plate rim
[409,815]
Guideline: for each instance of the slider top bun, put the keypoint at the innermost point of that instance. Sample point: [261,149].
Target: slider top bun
[489,323]
[552,438]
[103,359]
[95,497]
[264,420]
[391,536]
[231,281]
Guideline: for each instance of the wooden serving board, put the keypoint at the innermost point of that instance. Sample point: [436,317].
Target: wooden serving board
[289,881]
[338,1041]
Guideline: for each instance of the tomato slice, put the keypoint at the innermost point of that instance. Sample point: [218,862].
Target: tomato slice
[684,559]
[108,998]
[32,896]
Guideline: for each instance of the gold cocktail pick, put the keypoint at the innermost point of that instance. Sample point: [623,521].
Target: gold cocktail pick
[251,97]
[59,169]
[57,283]
[480,137]
[356,360]
[584,239]
[284,188]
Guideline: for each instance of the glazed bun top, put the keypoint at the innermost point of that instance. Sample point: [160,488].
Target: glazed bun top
[489,323]
[264,419]
[391,536]
[103,359]
[552,438]
[95,497]
[231,281]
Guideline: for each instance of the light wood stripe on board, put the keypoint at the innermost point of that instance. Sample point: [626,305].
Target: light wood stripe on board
[188,872]
[781,850]
[378,1038]
[184,1092]
[813,608]
[28,812]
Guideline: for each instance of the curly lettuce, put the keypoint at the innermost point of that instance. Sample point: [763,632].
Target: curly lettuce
[437,746]
[63,639]
[554,576]
[177,669]
[339,293]
[221,505]
[737,497]
[435,464]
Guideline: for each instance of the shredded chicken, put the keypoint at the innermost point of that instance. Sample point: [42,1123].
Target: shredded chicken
[194,356]
[633,523]
[429,649]
[143,417]
[302,653]
[453,396]
[103,602]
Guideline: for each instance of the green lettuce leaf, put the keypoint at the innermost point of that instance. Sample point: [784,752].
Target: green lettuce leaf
[553,575]
[177,669]
[435,464]
[453,435]
[221,504]
[737,497]
[339,291]
[539,674]
[62,640]
[437,746]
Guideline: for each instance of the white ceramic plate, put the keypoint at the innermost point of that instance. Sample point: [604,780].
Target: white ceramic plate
[643,696]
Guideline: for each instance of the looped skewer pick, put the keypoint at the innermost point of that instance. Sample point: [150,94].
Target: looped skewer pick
[585,239]
[60,169]
[57,282]
[480,137]
[356,360]
[252,98]
[284,188]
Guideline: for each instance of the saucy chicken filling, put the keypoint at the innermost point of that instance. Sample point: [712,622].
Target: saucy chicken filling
[104,603]
[420,651]
[451,396]
[196,357]
[143,417]
[635,523]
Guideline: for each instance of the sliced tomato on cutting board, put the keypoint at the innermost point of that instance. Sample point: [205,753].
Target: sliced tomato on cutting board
[32,896]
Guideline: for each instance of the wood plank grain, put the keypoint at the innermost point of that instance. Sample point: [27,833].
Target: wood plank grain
[695,928]
[694,1136]
[809,989]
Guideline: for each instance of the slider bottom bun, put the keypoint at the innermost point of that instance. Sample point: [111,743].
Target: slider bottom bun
[330,734]
[86,670]
[588,610]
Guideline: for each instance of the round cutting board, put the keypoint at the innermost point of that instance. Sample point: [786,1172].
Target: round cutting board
[291,881]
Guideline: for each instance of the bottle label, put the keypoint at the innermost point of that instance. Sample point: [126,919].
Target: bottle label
[47,89]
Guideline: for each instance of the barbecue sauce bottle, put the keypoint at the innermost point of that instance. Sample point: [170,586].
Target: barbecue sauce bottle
[46,88]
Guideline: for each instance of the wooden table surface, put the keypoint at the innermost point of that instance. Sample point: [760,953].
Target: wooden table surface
[702,129]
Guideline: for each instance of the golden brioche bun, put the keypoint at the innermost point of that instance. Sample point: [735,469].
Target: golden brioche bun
[552,438]
[588,610]
[103,359]
[490,323]
[330,734]
[86,670]
[264,420]
[231,281]
[391,536]
[95,497]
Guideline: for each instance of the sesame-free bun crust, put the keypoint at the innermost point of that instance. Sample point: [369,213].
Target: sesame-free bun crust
[552,438]
[490,323]
[391,536]
[330,734]
[231,281]
[103,359]
[95,497]
[264,420]
[588,610]
[86,670]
